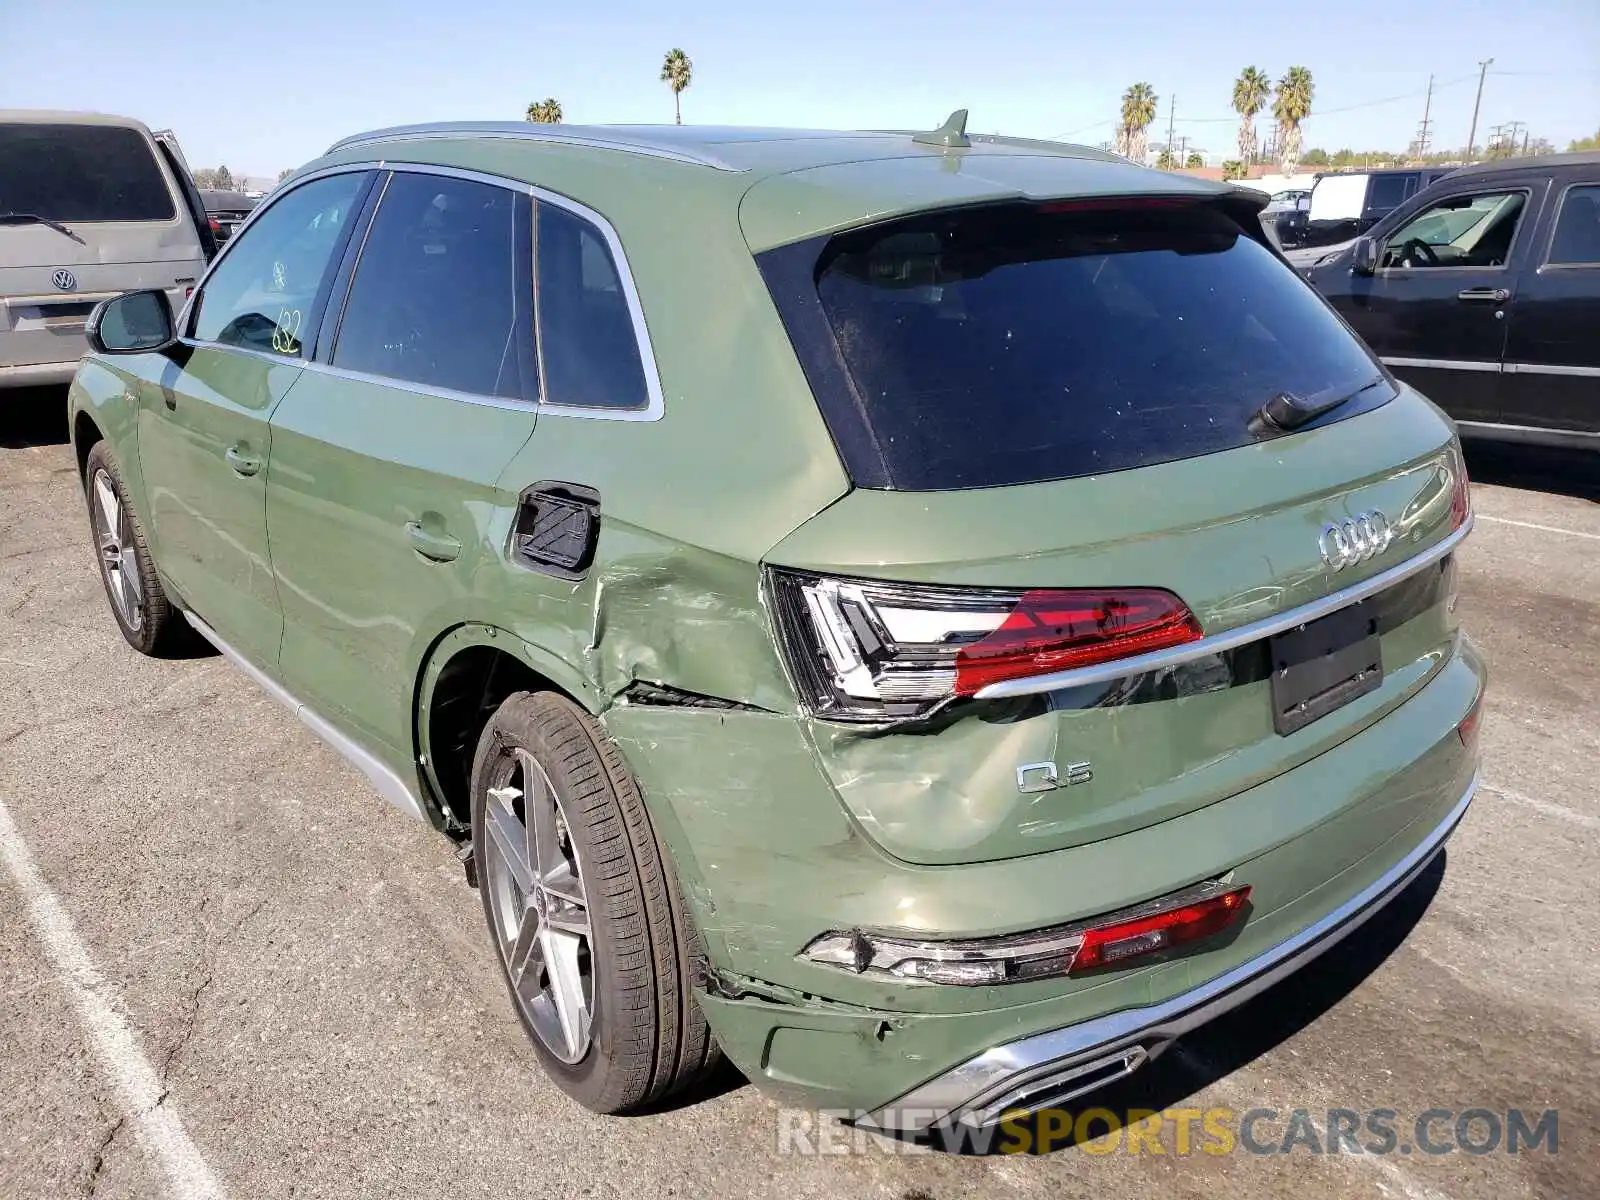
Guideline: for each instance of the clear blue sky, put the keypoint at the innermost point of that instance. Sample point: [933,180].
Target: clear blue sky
[262,86]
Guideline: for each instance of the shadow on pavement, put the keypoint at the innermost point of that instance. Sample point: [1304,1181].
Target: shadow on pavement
[33,416]
[1536,468]
[1262,1023]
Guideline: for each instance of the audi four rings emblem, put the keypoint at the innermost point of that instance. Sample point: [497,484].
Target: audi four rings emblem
[1355,539]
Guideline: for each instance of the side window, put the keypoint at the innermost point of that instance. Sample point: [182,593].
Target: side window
[261,293]
[1577,237]
[1387,192]
[589,354]
[1459,231]
[434,300]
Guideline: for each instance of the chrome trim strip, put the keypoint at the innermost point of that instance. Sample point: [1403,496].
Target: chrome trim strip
[1512,368]
[1443,364]
[387,784]
[985,1081]
[1229,639]
[525,132]
[1532,435]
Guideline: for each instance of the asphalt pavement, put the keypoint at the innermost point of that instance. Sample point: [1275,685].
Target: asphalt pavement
[219,948]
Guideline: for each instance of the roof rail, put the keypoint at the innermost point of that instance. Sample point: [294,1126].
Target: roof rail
[597,138]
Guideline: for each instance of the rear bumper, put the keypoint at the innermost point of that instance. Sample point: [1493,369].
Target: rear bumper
[1054,1067]
[37,374]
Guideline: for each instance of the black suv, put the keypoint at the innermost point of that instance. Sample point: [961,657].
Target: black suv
[1347,203]
[1484,292]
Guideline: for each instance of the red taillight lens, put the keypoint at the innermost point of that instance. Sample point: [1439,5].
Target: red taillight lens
[216,225]
[1467,731]
[1112,945]
[1052,630]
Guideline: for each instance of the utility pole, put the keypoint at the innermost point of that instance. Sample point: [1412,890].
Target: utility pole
[1172,108]
[1422,129]
[1483,69]
[1525,134]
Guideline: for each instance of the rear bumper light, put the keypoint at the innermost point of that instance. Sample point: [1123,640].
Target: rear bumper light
[1112,940]
[1053,1067]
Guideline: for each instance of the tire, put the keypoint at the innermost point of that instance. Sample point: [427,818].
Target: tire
[143,613]
[646,1036]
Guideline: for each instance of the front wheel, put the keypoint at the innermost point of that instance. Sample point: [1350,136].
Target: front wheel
[591,934]
[144,615]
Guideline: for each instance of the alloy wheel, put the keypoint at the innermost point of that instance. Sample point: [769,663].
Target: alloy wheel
[540,910]
[113,534]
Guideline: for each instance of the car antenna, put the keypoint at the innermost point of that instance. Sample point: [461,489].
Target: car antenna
[952,135]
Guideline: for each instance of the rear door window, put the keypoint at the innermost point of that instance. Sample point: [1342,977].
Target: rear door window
[1389,192]
[81,173]
[1019,344]
[589,352]
[1577,236]
[435,300]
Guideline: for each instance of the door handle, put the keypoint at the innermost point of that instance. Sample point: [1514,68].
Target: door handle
[242,461]
[1487,294]
[440,547]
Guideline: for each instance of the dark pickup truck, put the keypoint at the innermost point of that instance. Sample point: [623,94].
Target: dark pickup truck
[1484,292]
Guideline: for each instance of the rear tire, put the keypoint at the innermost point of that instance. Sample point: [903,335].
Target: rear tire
[590,912]
[145,616]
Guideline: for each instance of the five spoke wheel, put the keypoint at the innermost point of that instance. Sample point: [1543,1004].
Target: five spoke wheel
[539,911]
[113,534]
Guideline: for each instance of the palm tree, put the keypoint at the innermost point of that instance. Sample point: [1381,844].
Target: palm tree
[1196,159]
[1138,110]
[1250,93]
[1166,160]
[675,73]
[545,112]
[1292,106]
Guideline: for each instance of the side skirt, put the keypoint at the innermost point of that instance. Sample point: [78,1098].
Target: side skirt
[386,782]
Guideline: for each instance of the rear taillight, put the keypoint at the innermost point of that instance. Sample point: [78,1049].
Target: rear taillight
[863,650]
[1112,945]
[1460,489]
[216,225]
[1467,731]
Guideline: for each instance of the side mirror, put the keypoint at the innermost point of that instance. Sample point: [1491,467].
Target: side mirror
[132,323]
[1364,256]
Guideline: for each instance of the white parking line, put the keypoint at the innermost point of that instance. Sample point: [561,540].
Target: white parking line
[1577,533]
[1560,811]
[155,1122]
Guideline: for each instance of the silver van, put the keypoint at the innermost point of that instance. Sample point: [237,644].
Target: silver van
[90,206]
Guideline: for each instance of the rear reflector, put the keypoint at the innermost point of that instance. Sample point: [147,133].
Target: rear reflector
[1107,941]
[1111,945]
[1467,731]
[1460,489]
[862,650]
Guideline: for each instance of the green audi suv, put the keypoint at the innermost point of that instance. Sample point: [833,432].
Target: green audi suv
[931,617]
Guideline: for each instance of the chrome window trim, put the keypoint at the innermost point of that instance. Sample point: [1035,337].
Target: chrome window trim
[514,403]
[1442,364]
[1555,222]
[1510,368]
[1532,435]
[1241,635]
[514,131]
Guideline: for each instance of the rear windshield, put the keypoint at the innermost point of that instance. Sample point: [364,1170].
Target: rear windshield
[1017,344]
[81,173]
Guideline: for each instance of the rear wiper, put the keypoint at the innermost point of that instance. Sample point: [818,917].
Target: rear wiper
[35,219]
[1286,411]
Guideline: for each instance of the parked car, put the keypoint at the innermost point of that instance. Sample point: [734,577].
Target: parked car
[1288,212]
[226,211]
[936,616]
[1484,291]
[1345,205]
[90,206]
